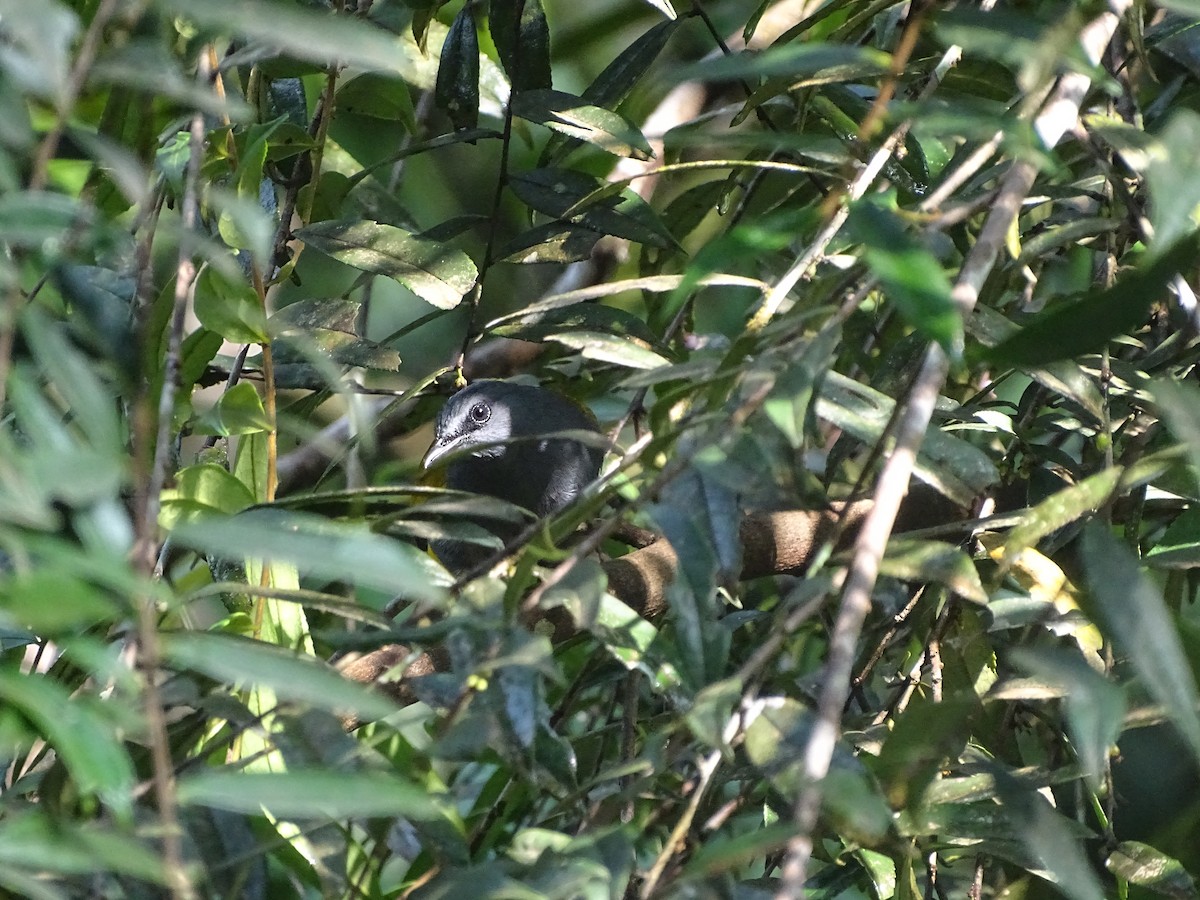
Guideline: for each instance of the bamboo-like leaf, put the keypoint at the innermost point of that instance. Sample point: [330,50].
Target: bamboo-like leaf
[1131,610]
[241,662]
[1059,510]
[81,734]
[317,794]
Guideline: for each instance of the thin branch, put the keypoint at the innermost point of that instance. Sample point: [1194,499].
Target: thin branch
[149,657]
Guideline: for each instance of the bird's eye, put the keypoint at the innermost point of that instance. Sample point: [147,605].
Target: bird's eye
[480,413]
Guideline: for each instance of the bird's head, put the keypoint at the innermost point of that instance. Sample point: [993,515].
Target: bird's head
[478,419]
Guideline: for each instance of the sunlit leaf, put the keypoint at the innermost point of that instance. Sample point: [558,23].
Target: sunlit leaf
[574,117]
[434,272]
[1151,869]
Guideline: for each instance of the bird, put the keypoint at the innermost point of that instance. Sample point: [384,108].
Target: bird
[497,439]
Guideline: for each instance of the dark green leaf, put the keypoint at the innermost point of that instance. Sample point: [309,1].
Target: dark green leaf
[1095,705]
[909,273]
[1086,325]
[956,468]
[562,193]
[791,60]
[554,242]
[1130,609]
[457,90]
[522,40]
[932,561]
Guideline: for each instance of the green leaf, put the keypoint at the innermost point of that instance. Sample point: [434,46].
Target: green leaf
[202,489]
[797,60]
[954,467]
[1095,706]
[581,199]
[1179,547]
[1173,177]
[1131,611]
[574,117]
[316,794]
[378,97]
[36,53]
[789,403]
[242,662]
[1146,867]
[925,737]
[306,33]
[1179,405]
[909,273]
[32,219]
[626,351]
[1059,510]
[933,561]
[238,410]
[50,602]
[324,549]
[522,40]
[199,349]
[231,309]
[36,842]
[457,90]
[82,736]
[990,328]
[244,224]
[1085,325]
[437,274]
[699,516]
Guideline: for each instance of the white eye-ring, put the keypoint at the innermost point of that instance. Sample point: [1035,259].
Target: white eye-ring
[480,413]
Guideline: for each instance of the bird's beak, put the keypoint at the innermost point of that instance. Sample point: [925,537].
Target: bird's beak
[437,450]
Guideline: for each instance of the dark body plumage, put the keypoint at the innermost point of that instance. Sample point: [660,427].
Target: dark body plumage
[496,432]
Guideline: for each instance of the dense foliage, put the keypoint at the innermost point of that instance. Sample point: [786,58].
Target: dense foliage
[888,589]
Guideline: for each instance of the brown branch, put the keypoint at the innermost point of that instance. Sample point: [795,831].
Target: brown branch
[773,543]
